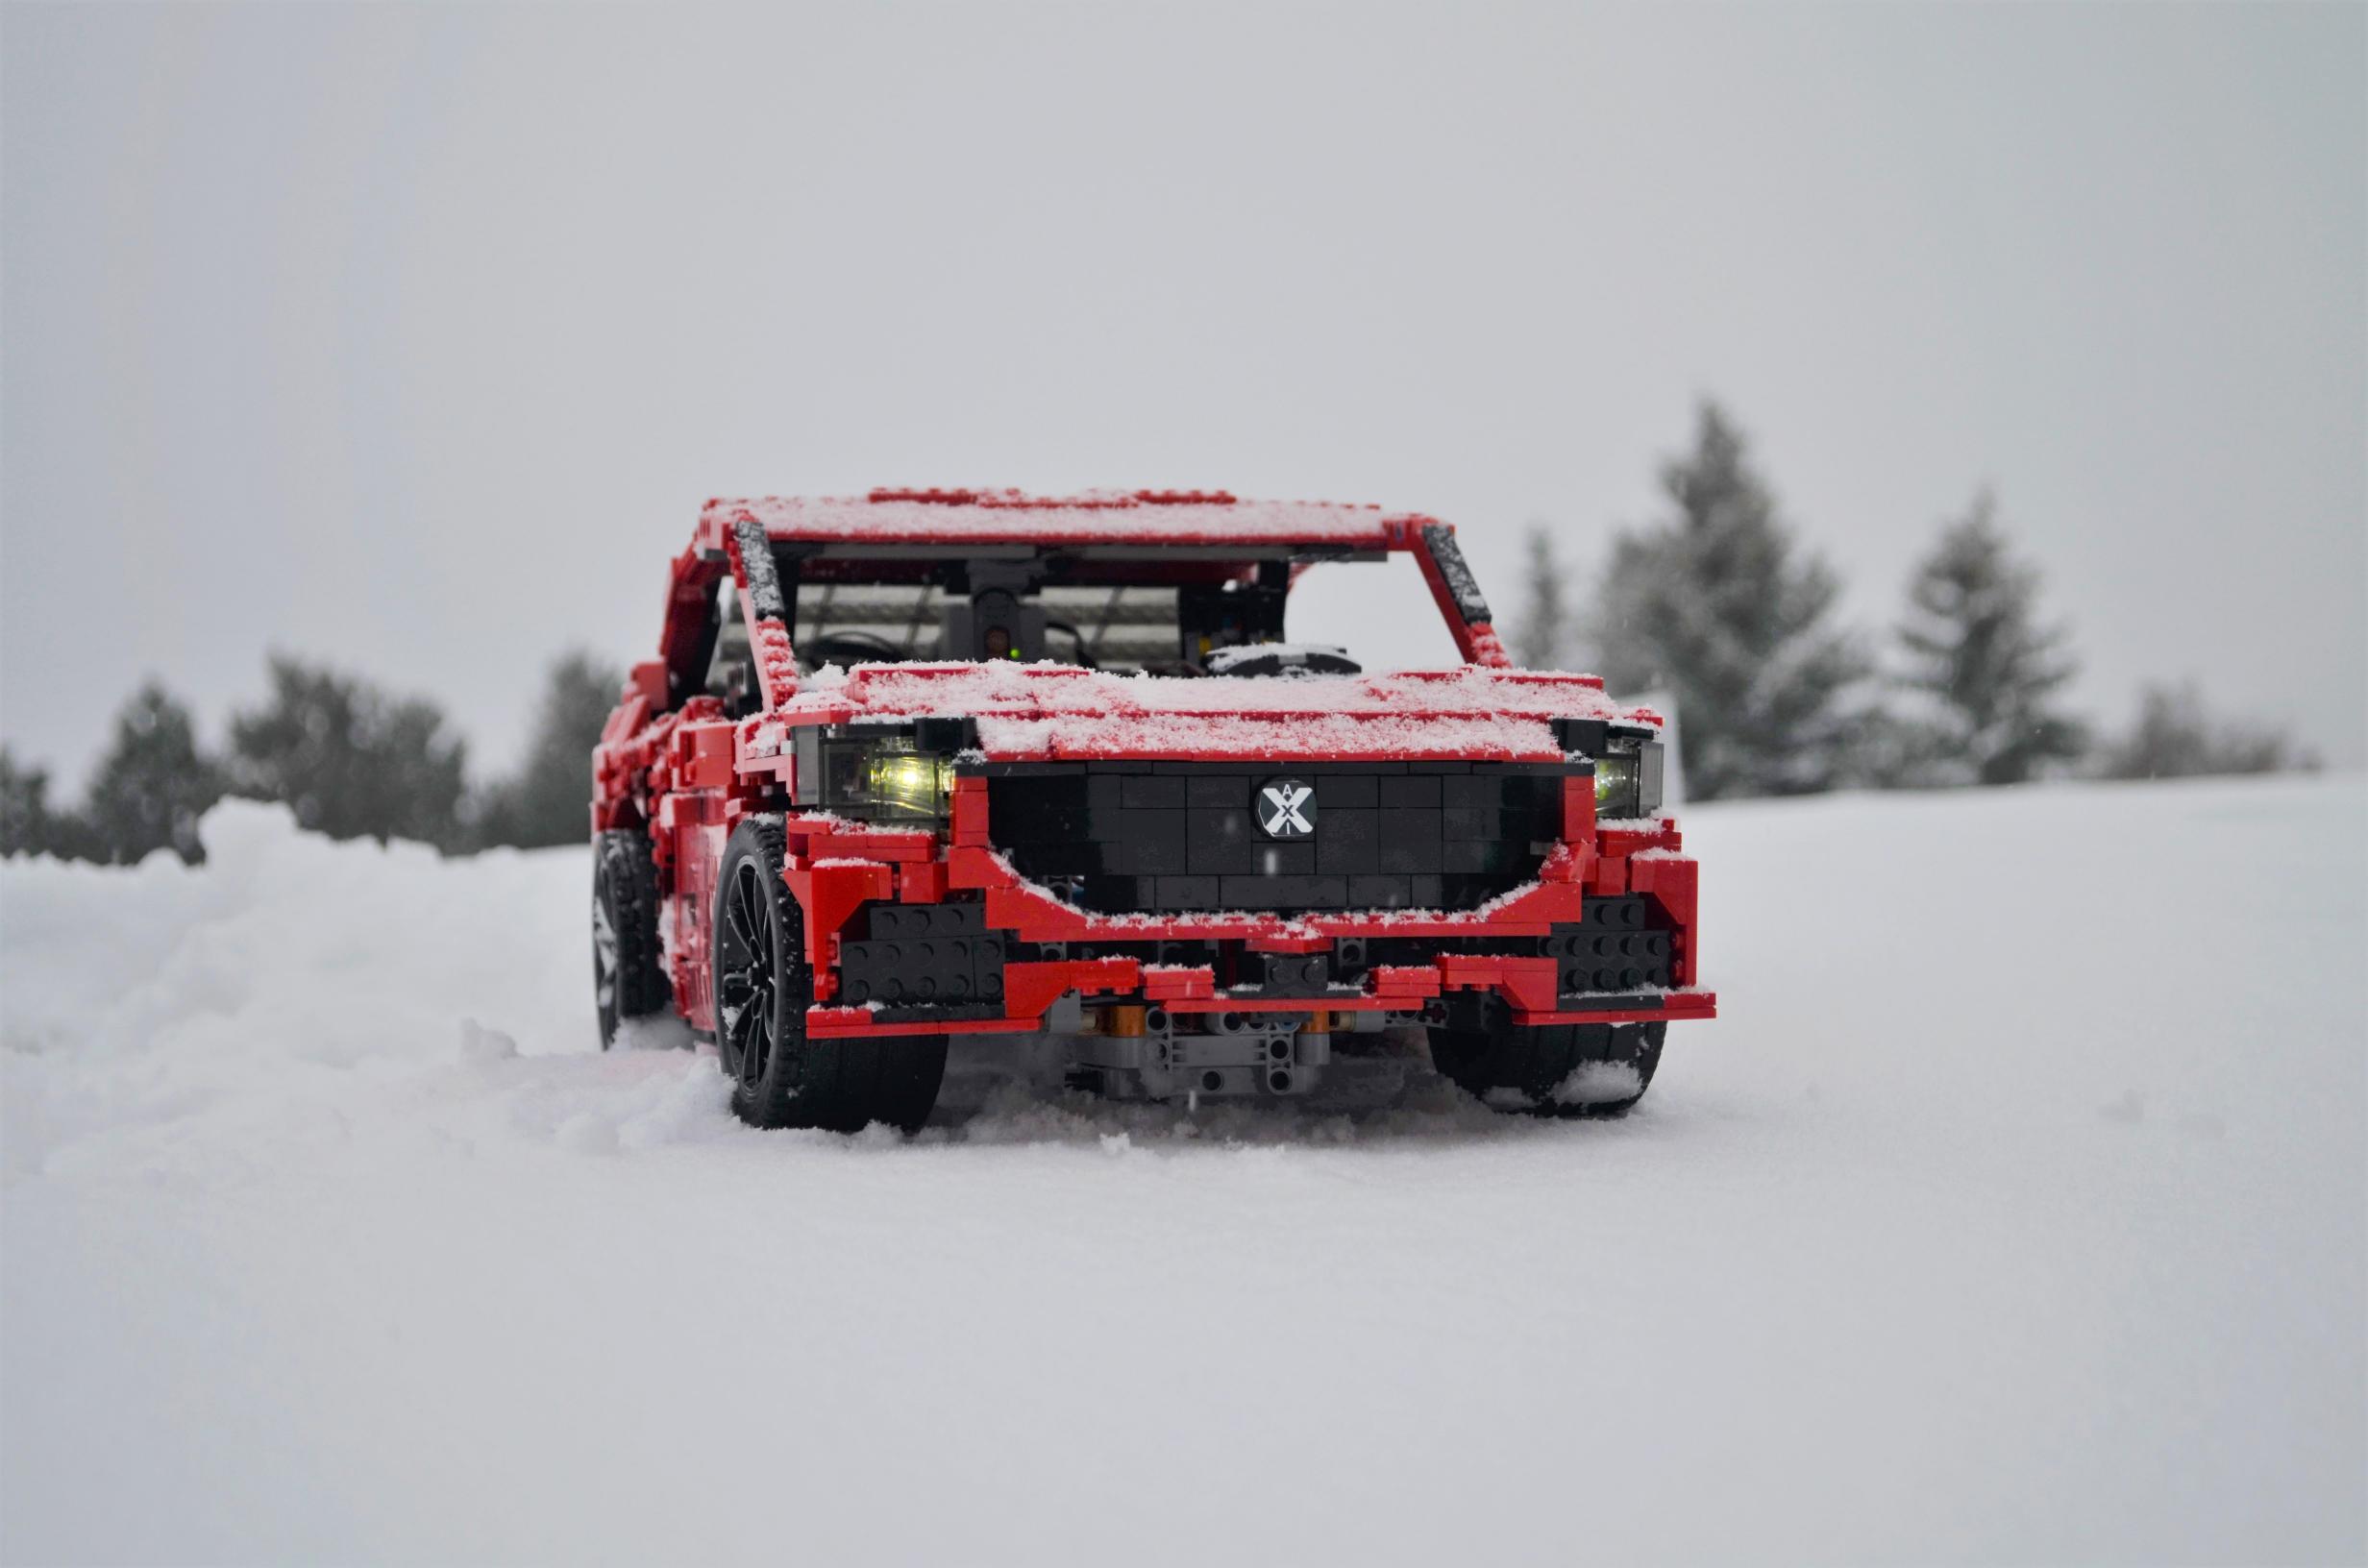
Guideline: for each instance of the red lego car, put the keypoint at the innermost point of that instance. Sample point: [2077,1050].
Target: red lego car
[937,763]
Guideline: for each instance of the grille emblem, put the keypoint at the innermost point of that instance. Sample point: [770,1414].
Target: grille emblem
[1287,809]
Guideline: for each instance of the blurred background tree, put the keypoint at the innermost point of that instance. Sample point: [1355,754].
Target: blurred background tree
[2175,738]
[151,783]
[1543,639]
[549,800]
[1982,671]
[29,826]
[1715,605]
[351,761]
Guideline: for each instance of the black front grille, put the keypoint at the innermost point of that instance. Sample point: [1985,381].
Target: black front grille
[1173,837]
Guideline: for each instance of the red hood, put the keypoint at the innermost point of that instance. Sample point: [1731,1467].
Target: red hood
[1051,711]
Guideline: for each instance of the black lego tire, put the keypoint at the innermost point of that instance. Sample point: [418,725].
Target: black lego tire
[762,989]
[1520,1070]
[628,963]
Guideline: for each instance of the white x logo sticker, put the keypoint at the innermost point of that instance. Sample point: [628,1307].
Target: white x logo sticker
[1279,812]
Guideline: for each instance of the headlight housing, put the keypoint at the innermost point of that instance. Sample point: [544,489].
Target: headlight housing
[887,780]
[1627,778]
[878,774]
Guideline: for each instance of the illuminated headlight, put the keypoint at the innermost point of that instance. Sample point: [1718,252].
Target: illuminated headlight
[1628,778]
[910,784]
[886,778]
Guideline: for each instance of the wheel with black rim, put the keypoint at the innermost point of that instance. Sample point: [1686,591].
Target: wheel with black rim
[1555,1069]
[629,967]
[763,986]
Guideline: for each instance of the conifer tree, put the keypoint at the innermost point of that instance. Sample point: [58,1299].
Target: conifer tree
[549,800]
[1984,670]
[1715,605]
[152,782]
[1542,640]
[29,824]
[350,760]
[2174,736]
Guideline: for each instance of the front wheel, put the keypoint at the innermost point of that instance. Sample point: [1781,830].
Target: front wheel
[1551,1069]
[780,1078]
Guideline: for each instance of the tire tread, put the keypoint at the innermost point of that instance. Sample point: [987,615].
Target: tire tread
[840,1085]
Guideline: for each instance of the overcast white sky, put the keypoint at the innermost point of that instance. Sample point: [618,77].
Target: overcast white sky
[413,337]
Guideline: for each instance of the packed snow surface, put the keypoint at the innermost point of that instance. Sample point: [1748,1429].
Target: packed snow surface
[2013,1210]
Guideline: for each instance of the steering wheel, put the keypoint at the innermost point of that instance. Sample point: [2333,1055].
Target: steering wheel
[850,647]
[1282,659]
[1084,657]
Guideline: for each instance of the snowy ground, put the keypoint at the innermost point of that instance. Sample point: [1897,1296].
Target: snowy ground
[2017,1209]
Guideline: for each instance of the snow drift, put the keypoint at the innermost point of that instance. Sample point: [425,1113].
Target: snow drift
[2013,1210]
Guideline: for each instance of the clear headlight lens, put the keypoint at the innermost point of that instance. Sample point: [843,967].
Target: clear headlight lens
[1628,779]
[909,784]
[1615,784]
[886,778]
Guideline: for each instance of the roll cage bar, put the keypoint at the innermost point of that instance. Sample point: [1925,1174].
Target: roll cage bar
[1203,543]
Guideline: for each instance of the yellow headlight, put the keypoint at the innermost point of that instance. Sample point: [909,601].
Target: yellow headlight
[1615,784]
[909,784]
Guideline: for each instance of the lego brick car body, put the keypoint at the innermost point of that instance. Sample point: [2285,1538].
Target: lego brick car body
[938,763]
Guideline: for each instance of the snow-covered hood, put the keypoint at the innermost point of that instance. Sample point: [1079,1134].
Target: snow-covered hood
[1054,711]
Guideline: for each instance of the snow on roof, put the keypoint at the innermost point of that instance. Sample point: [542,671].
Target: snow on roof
[1209,517]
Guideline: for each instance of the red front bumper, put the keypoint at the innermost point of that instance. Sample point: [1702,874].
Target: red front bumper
[835,871]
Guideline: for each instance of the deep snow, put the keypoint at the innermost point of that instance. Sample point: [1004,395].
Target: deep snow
[2017,1208]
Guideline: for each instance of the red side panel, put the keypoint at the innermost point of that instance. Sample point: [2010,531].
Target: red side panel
[828,892]
[1672,879]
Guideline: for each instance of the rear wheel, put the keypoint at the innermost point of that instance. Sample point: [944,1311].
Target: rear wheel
[763,986]
[1551,1069]
[629,967]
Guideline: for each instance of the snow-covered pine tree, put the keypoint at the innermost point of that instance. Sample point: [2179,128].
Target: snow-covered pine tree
[152,784]
[1543,639]
[1984,670]
[1714,604]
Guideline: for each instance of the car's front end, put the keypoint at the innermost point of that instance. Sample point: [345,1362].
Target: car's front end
[1208,884]
[930,764]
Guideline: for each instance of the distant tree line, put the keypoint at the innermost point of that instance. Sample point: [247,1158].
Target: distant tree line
[1716,605]
[350,760]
